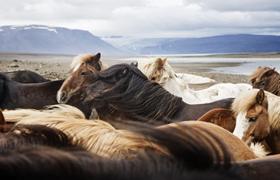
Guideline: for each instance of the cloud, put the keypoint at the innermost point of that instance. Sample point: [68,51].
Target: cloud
[148,18]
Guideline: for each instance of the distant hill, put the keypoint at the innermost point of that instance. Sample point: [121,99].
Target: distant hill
[54,40]
[241,43]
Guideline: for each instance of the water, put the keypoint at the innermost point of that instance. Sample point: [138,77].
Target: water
[227,65]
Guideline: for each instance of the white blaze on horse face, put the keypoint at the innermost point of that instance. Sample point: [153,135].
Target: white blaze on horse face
[242,124]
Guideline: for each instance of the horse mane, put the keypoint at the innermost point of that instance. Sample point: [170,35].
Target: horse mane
[3,79]
[181,142]
[259,72]
[247,99]
[82,58]
[50,163]
[34,135]
[58,110]
[136,96]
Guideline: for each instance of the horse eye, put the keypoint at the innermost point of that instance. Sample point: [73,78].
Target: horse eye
[153,78]
[252,119]
[84,73]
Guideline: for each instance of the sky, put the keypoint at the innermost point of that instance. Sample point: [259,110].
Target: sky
[148,18]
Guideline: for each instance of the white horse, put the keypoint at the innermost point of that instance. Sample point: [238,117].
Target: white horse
[160,71]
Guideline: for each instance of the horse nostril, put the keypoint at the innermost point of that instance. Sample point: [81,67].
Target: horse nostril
[62,97]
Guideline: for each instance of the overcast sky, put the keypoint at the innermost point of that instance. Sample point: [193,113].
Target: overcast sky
[148,18]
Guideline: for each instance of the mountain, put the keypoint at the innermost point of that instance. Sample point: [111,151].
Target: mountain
[240,43]
[54,40]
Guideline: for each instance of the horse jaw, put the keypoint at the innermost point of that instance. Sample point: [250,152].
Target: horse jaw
[242,124]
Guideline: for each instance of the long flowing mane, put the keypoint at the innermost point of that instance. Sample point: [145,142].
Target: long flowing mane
[245,101]
[139,97]
[184,143]
[84,58]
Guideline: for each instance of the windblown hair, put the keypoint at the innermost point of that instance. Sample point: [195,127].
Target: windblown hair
[266,78]
[96,136]
[183,143]
[49,163]
[137,97]
[32,136]
[83,58]
[247,99]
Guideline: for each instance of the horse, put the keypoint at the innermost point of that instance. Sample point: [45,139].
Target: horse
[101,138]
[258,119]
[266,78]
[224,118]
[26,162]
[80,67]
[25,76]
[124,92]
[32,95]
[161,72]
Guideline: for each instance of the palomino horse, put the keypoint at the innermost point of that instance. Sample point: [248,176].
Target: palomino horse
[81,66]
[258,119]
[161,72]
[101,138]
[222,117]
[124,92]
[25,76]
[266,78]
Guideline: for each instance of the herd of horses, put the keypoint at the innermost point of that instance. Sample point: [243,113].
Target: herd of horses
[138,121]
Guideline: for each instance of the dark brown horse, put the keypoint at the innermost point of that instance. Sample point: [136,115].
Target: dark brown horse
[123,92]
[15,95]
[25,76]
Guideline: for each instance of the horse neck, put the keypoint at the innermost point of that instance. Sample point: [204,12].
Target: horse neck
[274,110]
[274,84]
[195,111]
[33,95]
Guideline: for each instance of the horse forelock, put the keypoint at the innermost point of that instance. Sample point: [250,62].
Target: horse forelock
[79,60]
[259,73]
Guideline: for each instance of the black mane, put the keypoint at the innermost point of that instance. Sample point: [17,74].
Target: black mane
[136,96]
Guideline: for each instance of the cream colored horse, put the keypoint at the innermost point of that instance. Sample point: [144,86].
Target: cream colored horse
[160,71]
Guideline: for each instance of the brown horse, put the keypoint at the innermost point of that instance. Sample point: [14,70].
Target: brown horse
[266,78]
[258,119]
[224,118]
[238,149]
[123,92]
[25,76]
[80,68]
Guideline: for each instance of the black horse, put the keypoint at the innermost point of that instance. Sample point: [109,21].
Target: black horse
[15,95]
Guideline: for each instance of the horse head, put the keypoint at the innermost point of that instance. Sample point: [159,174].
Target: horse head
[107,83]
[252,124]
[262,78]
[78,78]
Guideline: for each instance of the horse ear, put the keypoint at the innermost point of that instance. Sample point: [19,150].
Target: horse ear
[97,56]
[269,72]
[260,97]
[160,63]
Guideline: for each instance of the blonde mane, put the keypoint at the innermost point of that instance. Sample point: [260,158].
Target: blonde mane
[247,99]
[96,136]
[83,58]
